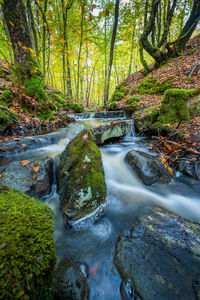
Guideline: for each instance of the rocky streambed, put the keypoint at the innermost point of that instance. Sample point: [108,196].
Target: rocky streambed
[133,234]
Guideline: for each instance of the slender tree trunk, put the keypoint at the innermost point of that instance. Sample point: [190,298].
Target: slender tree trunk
[79,52]
[7,36]
[32,26]
[107,85]
[44,40]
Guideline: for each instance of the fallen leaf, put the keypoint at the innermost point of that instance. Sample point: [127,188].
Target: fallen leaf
[36,169]
[24,145]
[3,149]
[170,171]
[34,177]
[24,162]
[33,164]
[0,176]
[94,269]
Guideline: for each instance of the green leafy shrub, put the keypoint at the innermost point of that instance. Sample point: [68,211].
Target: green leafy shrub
[132,99]
[117,96]
[151,86]
[27,251]
[7,96]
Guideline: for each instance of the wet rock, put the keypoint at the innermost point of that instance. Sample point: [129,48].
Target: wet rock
[126,290]
[111,130]
[80,178]
[148,167]
[15,145]
[36,184]
[69,281]
[190,167]
[161,256]
[7,117]
[100,115]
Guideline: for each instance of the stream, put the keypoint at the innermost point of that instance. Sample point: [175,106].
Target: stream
[92,241]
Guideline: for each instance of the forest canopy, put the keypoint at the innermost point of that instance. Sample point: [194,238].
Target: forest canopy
[85,47]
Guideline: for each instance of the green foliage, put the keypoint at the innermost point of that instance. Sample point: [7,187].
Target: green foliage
[6,118]
[132,99]
[191,50]
[132,92]
[174,106]
[147,120]
[45,115]
[27,252]
[77,108]
[112,106]
[57,100]
[117,96]
[7,96]
[125,90]
[151,86]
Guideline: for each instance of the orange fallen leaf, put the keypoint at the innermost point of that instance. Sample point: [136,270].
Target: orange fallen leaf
[36,169]
[24,145]
[194,158]
[24,162]
[3,150]
[0,176]
[34,177]
[170,171]
[32,165]
[188,162]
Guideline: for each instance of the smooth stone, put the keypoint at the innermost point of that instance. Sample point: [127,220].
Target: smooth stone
[149,168]
[161,257]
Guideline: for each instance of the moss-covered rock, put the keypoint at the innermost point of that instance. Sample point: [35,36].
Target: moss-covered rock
[151,86]
[7,96]
[58,101]
[132,99]
[115,129]
[112,106]
[6,118]
[34,87]
[27,252]
[174,106]
[80,177]
[77,108]
[117,96]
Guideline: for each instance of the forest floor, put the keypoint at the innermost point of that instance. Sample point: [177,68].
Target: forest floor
[178,71]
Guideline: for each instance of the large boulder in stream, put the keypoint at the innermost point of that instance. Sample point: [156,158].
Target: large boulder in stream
[69,281]
[33,177]
[161,256]
[149,168]
[111,130]
[80,178]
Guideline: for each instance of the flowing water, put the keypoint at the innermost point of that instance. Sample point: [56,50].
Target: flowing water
[92,241]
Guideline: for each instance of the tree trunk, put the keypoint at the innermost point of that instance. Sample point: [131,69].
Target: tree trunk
[107,85]
[44,39]
[32,25]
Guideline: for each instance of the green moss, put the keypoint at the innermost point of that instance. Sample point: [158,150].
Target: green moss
[132,92]
[34,87]
[117,96]
[151,86]
[27,252]
[6,118]
[146,121]
[150,109]
[3,103]
[174,106]
[58,101]
[112,106]
[7,96]
[125,90]
[191,50]
[132,99]
[77,108]
[82,182]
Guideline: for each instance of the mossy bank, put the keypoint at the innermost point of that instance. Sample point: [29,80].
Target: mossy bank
[27,252]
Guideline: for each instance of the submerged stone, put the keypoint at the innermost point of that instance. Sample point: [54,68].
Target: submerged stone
[149,168]
[80,177]
[69,281]
[111,130]
[161,256]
